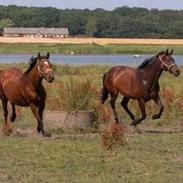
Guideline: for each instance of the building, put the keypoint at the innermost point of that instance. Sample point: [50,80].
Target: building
[35,32]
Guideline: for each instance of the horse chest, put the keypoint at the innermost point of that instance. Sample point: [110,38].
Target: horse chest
[34,96]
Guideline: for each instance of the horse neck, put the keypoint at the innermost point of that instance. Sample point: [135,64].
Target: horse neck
[152,73]
[33,78]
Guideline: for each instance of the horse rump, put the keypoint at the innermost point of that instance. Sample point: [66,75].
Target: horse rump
[104,92]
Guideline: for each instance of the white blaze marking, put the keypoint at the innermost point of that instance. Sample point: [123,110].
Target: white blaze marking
[46,63]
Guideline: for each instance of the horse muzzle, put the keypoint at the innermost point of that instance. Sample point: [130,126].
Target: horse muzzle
[50,77]
[176,72]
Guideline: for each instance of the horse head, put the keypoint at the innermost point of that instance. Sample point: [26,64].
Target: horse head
[45,67]
[168,63]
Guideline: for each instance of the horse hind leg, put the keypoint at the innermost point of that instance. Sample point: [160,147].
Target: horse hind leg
[7,128]
[5,109]
[124,104]
[112,101]
[104,92]
[13,115]
[103,95]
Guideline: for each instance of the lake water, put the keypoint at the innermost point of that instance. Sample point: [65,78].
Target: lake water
[120,59]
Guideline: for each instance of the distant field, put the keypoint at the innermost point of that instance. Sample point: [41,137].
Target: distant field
[100,41]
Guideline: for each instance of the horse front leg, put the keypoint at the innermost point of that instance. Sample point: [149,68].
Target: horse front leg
[157,100]
[40,111]
[36,112]
[141,103]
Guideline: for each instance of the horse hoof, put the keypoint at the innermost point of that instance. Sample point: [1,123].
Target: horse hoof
[133,123]
[12,119]
[47,135]
[155,117]
[38,129]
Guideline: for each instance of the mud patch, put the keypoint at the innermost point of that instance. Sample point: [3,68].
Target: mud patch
[156,130]
[30,133]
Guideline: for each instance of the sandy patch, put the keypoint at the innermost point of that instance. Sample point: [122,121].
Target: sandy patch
[100,41]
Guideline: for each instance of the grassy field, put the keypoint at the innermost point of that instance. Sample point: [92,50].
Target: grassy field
[81,159]
[77,156]
[87,48]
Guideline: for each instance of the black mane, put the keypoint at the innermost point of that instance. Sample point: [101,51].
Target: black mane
[32,63]
[146,62]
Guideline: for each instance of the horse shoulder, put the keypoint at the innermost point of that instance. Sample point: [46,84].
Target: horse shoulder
[124,75]
[33,95]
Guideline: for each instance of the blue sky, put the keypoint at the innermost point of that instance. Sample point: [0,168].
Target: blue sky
[93,4]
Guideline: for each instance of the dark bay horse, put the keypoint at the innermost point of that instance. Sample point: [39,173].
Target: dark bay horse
[139,83]
[26,89]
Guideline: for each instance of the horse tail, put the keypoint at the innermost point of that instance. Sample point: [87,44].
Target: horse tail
[104,92]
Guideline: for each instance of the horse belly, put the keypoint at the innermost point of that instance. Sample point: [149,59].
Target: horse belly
[16,99]
[128,87]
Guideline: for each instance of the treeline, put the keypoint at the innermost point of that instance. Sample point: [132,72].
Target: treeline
[122,22]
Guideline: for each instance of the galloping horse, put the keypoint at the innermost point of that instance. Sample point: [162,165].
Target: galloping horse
[139,83]
[26,89]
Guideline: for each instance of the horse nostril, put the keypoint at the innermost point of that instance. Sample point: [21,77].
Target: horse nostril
[51,78]
[178,72]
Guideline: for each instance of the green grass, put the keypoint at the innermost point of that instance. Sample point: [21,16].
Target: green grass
[86,48]
[81,159]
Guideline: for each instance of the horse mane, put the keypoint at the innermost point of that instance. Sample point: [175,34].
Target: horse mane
[150,60]
[146,62]
[32,63]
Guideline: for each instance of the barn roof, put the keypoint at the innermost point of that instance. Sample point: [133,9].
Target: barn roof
[32,30]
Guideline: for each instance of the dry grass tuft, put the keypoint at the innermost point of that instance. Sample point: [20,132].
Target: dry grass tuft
[7,129]
[113,136]
[169,95]
[104,113]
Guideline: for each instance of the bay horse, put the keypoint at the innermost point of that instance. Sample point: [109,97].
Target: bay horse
[26,89]
[139,83]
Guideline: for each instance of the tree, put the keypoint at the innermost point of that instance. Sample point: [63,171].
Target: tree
[91,26]
[6,23]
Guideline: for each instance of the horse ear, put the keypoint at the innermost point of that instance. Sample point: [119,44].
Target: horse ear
[38,55]
[32,60]
[171,52]
[166,52]
[48,55]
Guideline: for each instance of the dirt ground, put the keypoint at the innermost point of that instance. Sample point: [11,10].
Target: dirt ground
[129,131]
[101,41]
